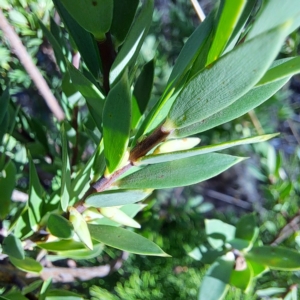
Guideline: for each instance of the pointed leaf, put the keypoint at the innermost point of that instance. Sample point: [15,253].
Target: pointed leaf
[94,16]
[125,240]
[232,74]
[123,14]
[84,40]
[27,264]
[180,172]
[242,279]
[62,245]
[35,200]
[12,246]
[4,100]
[82,253]
[158,158]
[270,16]
[116,198]
[231,12]
[66,172]
[249,101]
[215,282]
[80,227]
[218,232]
[289,67]
[59,226]
[277,258]
[7,185]
[93,96]
[116,123]
[133,42]
[142,92]
[61,294]
[246,228]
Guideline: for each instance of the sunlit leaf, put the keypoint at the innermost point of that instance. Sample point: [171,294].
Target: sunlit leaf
[116,198]
[233,76]
[125,240]
[62,245]
[116,123]
[81,253]
[27,264]
[134,40]
[242,279]
[277,258]
[61,294]
[179,172]
[158,158]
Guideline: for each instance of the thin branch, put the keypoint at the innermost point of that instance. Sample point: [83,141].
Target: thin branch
[198,9]
[294,131]
[256,122]
[25,59]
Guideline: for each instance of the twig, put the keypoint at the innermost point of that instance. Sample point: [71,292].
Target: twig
[25,59]
[198,9]
[256,122]
[294,131]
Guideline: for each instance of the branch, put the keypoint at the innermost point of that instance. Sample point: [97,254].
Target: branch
[25,59]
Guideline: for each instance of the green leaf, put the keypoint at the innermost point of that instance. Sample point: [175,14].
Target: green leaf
[232,74]
[142,92]
[59,226]
[32,287]
[59,56]
[239,244]
[27,264]
[45,288]
[66,172]
[61,294]
[80,227]
[277,258]
[125,240]
[180,172]
[12,246]
[35,200]
[93,96]
[62,245]
[271,291]
[94,16]
[257,269]
[82,253]
[4,100]
[218,232]
[123,14]
[249,101]
[246,228]
[164,157]
[116,123]
[84,40]
[270,16]
[231,12]
[281,70]
[7,185]
[133,42]
[242,279]
[214,285]
[116,198]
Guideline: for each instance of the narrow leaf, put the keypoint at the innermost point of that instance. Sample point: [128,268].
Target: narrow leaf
[59,226]
[164,157]
[7,185]
[84,40]
[82,253]
[116,123]
[249,101]
[215,282]
[277,258]
[282,70]
[123,15]
[133,43]
[180,172]
[116,198]
[80,227]
[66,171]
[232,75]
[62,245]
[27,264]
[125,240]
[142,92]
[61,294]
[35,200]
[270,16]
[231,12]
[12,246]
[4,100]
